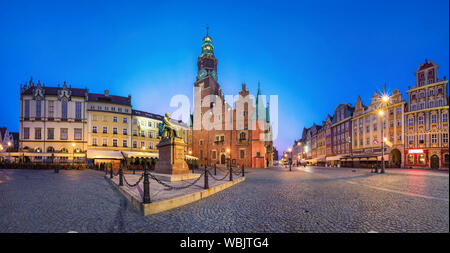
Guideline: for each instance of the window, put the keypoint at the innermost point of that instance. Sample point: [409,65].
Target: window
[201,142]
[99,107]
[134,144]
[113,109]
[431,92]
[391,123]
[142,133]
[431,104]
[38,108]
[421,141]
[411,121]
[150,145]
[422,159]
[361,142]
[114,130]
[78,110]
[26,133]
[391,112]
[64,109]
[444,117]
[142,144]
[367,129]
[445,138]
[125,120]
[50,133]
[105,130]
[64,134]
[134,121]
[433,118]
[399,137]
[77,134]
[410,159]
[440,103]
[114,142]
[105,142]
[114,118]
[37,133]
[150,134]
[214,154]
[94,129]
[126,109]
[413,108]
[124,142]
[367,119]
[242,154]
[201,155]
[367,141]
[399,110]
[94,141]
[150,124]
[51,109]
[124,131]
[434,138]
[242,136]
[106,108]
[375,127]
[134,132]
[420,119]
[27,108]
[411,140]
[399,122]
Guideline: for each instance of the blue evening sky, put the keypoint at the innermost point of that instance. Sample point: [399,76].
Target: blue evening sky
[312,54]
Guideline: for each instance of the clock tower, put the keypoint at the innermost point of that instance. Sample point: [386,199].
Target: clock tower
[207,62]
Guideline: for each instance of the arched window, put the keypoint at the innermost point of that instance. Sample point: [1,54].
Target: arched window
[64,150]
[50,150]
[37,150]
[242,136]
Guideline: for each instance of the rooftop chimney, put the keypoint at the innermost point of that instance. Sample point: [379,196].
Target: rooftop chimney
[106,93]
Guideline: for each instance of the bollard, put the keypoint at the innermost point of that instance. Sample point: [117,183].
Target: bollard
[134,170]
[146,199]
[111,172]
[57,168]
[231,174]
[243,171]
[206,179]
[215,170]
[120,175]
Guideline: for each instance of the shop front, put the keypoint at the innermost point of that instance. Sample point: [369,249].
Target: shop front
[418,158]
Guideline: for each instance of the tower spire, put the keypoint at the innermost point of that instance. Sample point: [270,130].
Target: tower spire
[207,28]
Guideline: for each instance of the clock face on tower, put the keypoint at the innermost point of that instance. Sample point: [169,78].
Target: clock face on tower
[214,75]
[202,74]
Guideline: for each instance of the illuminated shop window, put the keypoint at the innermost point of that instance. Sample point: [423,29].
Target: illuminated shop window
[410,159]
[422,159]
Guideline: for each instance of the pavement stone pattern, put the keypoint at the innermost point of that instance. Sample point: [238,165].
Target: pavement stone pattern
[269,200]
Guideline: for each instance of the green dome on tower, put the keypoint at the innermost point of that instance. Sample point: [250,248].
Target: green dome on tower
[207,46]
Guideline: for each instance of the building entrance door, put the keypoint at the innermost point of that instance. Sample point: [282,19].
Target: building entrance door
[222,159]
[434,162]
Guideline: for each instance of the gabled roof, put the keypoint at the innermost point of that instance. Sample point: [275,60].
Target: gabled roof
[112,99]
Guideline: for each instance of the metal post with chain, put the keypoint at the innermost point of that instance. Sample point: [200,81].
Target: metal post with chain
[231,174]
[146,199]
[206,179]
[120,175]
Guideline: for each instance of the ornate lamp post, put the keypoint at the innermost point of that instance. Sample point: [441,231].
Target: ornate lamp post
[9,150]
[384,101]
[228,157]
[290,160]
[73,153]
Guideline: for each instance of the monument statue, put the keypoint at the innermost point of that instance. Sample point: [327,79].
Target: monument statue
[167,129]
[171,150]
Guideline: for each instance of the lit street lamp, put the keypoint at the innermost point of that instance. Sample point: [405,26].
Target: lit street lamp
[290,160]
[9,150]
[384,101]
[73,153]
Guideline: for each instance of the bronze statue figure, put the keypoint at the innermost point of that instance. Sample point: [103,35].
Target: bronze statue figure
[167,129]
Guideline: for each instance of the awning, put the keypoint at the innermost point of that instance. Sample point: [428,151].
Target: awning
[189,157]
[334,158]
[19,154]
[321,158]
[104,154]
[129,154]
[386,157]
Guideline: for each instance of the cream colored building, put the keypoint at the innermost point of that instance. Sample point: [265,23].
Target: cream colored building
[52,122]
[367,124]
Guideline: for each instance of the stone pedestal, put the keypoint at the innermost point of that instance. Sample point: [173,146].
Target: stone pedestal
[171,157]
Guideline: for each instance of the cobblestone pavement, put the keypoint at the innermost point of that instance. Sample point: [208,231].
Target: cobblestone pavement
[270,200]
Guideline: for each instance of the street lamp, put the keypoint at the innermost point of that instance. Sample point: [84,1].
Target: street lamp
[384,101]
[228,157]
[290,161]
[9,150]
[73,153]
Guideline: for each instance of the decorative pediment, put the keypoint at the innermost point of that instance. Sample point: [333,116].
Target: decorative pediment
[38,92]
[64,93]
